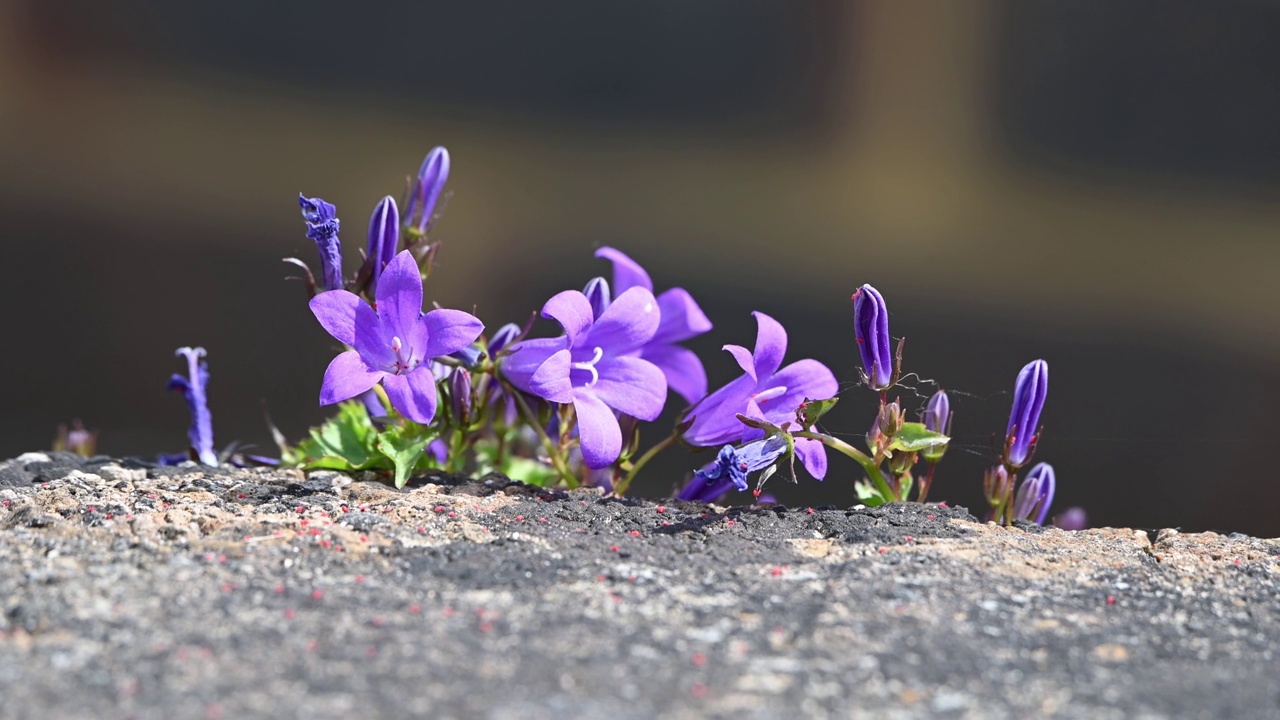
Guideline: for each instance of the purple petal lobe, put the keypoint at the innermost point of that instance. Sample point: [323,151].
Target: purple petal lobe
[715,418]
[743,357]
[682,368]
[551,380]
[347,377]
[631,386]
[753,411]
[681,317]
[802,379]
[371,340]
[572,310]
[399,294]
[448,331]
[813,455]
[413,395]
[598,431]
[336,311]
[627,324]
[627,273]
[771,345]
[527,356]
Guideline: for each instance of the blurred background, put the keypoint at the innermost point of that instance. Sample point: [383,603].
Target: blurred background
[1091,182]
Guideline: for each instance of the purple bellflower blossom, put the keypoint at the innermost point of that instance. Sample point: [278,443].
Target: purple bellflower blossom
[681,319]
[764,391]
[871,328]
[193,391]
[595,365]
[1034,496]
[1024,419]
[394,344]
[427,188]
[384,236]
[322,227]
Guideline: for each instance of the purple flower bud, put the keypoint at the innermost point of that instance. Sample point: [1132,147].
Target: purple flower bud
[432,176]
[871,326]
[503,337]
[322,227]
[460,394]
[597,292]
[1073,518]
[193,391]
[1034,496]
[384,236]
[468,356]
[1024,420]
[937,413]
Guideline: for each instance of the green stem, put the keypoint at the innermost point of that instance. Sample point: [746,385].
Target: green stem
[457,452]
[621,487]
[871,467]
[553,451]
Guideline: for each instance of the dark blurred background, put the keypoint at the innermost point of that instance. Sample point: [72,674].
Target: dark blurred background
[1091,182]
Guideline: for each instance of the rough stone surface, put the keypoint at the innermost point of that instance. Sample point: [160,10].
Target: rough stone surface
[134,592]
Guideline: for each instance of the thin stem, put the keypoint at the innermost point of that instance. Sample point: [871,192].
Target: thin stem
[621,487]
[553,451]
[927,482]
[871,467]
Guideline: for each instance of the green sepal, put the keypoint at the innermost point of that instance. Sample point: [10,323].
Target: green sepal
[768,427]
[811,411]
[914,437]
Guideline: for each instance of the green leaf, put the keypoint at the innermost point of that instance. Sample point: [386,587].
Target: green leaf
[868,494]
[530,471]
[344,442]
[913,437]
[404,450]
[811,411]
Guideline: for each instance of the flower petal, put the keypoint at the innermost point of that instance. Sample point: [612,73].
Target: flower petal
[803,379]
[526,356]
[572,310]
[372,340]
[715,419]
[551,380]
[681,317]
[336,311]
[347,377]
[771,345]
[682,368]
[413,395]
[813,455]
[399,294]
[598,431]
[627,273]
[743,357]
[749,433]
[448,331]
[627,324]
[632,386]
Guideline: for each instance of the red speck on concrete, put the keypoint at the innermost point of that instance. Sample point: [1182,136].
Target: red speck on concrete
[665,523]
[359,578]
[943,505]
[371,651]
[930,517]
[634,533]
[910,539]
[364,538]
[422,531]
[344,508]
[1111,599]
[279,589]
[222,559]
[376,621]
[288,614]
[486,626]
[439,509]
[317,594]
[227,587]
[599,578]
[303,522]
[699,659]
[315,531]
[300,509]
[542,520]
[519,518]
[452,514]
[779,569]
[312,645]
[661,509]
[698,690]
[884,550]
[448,611]
[414,609]
[241,496]
[613,548]
[730,522]
[808,511]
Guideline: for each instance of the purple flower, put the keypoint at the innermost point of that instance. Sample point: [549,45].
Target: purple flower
[394,344]
[1035,494]
[764,392]
[384,236]
[871,328]
[595,366]
[1024,420]
[1073,518]
[193,391]
[681,319]
[432,176]
[322,227]
[937,413]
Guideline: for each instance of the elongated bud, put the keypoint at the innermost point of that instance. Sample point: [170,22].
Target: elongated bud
[1035,494]
[460,394]
[322,227]
[503,337]
[427,188]
[871,326]
[995,484]
[597,292]
[384,236]
[193,391]
[937,418]
[890,418]
[1024,420]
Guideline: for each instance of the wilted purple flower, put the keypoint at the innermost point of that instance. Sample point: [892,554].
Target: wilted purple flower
[393,344]
[594,365]
[193,391]
[737,463]
[764,392]
[681,319]
[871,328]
[1032,500]
[384,236]
[1024,420]
[1073,518]
[432,176]
[322,227]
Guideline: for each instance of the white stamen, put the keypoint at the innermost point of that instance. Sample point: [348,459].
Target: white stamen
[770,394]
[590,366]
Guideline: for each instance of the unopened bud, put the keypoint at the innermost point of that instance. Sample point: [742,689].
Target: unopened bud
[460,394]
[871,327]
[597,292]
